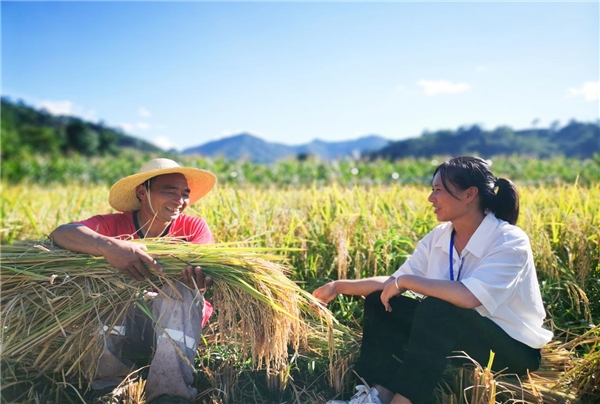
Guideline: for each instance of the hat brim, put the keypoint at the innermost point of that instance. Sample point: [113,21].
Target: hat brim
[122,195]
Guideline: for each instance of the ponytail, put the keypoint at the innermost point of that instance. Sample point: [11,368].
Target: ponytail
[506,203]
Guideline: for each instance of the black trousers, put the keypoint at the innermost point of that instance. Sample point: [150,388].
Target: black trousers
[407,349]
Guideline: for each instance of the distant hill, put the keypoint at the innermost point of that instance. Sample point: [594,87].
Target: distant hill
[576,139]
[29,130]
[242,146]
[258,150]
[334,150]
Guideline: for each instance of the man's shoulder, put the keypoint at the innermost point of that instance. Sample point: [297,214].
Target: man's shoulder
[110,217]
[190,219]
[111,224]
[193,228]
[190,223]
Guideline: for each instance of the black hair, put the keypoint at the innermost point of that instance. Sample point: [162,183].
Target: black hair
[499,195]
[146,185]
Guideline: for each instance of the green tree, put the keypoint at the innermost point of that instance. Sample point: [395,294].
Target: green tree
[40,139]
[82,139]
[10,145]
[108,141]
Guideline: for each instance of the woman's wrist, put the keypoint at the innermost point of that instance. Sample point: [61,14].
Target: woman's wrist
[334,287]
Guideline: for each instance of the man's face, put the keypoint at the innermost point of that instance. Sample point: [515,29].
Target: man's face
[169,195]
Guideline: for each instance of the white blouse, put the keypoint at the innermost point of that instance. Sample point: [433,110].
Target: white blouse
[497,267]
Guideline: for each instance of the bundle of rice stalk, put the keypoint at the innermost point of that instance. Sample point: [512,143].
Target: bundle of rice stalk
[478,384]
[584,374]
[347,346]
[53,301]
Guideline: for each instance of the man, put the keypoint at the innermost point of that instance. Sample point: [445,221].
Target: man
[151,203]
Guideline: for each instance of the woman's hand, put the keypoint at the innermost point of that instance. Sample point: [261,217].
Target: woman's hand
[326,293]
[391,289]
[194,278]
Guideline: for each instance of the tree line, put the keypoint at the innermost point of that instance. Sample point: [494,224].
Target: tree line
[26,130]
[575,140]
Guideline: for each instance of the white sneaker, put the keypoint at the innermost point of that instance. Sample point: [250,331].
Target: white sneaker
[364,395]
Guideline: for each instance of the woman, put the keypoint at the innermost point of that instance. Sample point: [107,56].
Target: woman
[477,273]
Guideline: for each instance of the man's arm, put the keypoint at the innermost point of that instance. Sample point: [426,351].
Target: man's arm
[127,257]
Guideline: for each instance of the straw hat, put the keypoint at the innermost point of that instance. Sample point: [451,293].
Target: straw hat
[122,195]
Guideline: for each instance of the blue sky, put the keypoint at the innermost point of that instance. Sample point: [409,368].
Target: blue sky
[181,74]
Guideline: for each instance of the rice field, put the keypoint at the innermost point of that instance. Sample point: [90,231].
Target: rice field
[330,231]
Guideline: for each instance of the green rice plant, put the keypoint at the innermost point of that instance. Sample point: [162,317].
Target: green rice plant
[564,227]
[293,172]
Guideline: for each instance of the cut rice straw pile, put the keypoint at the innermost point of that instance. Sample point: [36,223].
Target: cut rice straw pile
[54,301]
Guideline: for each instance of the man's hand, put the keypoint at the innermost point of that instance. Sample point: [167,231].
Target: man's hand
[194,278]
[126,256]
[130,258]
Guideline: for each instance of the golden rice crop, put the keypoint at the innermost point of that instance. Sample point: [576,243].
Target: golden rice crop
[53,299]
[366,230]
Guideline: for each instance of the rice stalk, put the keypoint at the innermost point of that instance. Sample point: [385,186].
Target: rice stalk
[478,385]
[54,301]
[584,374]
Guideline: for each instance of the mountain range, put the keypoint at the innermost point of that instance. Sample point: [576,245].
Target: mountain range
[257,150]
[28,131]
[576,139]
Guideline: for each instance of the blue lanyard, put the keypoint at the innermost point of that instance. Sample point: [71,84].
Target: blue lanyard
[452,259]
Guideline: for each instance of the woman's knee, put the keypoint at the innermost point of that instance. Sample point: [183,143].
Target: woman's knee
[373,305]
[373,299]
[436,305]
[373,302]
[433,311]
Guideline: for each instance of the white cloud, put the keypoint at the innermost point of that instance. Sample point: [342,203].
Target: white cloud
[435,87]
[57,107]
[590,91]
[230,133]
[133,127]
[127,127]
[67,108]
[144,112]
[164,143]
[482,68]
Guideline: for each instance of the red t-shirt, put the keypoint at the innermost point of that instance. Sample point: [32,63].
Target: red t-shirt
[121,225]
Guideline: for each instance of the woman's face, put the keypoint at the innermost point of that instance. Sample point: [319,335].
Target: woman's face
[446,206]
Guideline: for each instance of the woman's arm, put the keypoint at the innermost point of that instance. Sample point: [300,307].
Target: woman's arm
[451,291]
[361,287]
